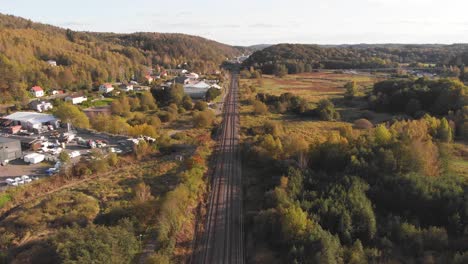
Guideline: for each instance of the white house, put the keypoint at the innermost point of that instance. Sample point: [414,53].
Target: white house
[106,88]
[41,106]
[126,87]
[76,99]
[37,91]
[142,88]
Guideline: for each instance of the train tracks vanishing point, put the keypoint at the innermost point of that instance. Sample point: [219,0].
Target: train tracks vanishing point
[222,238]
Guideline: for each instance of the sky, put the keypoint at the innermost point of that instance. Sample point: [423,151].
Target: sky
[249,22]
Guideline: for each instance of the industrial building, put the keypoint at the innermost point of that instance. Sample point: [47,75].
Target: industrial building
[32,120]
[10,149]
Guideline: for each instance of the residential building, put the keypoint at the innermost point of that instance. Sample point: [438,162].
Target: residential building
[76,99]
[182,80]
[149,79]
[175,72]
[57,92]
[106,88]
[37,91]
[126,87]
[40,106]
[142,88]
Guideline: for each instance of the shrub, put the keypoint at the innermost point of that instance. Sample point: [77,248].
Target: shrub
[204,119]
[259,108]
[113,159]
[187,103]
[201,105]
[363,124]
[96,244]
[326,110]
[212,93]
[154,121]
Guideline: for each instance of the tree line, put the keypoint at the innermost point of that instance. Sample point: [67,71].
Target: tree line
[384,195]
[298,58]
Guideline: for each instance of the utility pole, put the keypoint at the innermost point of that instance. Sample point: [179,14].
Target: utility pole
[140,236]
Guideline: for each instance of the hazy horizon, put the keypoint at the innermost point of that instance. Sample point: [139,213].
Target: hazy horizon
[247,23]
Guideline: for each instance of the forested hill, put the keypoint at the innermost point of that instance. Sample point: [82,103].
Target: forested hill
[85,59]
[170,48]
[301,57]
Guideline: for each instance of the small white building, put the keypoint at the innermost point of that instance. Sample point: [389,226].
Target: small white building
[52,63]
[76,99]
[106,88]
[142,88]
[41,106]
[126,87]
[57,92]
[37,91]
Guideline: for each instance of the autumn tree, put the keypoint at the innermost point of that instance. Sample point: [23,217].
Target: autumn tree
[326,110]
[201,105]
[212,94]
[204,118]
[280,70]
[259,108]
[187,102]
[444,131]
[69,113]
[142,193]
[121,106]
[351,90]
[147,101]
[176,93]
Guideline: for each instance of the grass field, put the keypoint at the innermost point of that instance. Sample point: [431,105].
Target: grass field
[312,130]
[313,86]
[458,163]
[114,196]
[4,198]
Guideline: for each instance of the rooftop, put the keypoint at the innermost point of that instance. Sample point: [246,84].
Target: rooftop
[37,89]
[31,117]
[7,140]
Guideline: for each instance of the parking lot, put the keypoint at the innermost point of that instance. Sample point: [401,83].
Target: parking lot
[82,143]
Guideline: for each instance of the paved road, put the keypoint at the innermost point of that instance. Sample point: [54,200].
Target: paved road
[221,241]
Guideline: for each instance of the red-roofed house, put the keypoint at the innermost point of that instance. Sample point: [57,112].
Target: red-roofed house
[37,91]
[106,88]
[149,79]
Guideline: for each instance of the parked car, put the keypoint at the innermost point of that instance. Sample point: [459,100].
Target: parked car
[11,182]
[51,171]
[26,179]
[19,181]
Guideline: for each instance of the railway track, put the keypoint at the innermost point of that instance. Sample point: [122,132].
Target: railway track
[221,241]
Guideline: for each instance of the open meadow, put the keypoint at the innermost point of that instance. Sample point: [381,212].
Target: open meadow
[313,87]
